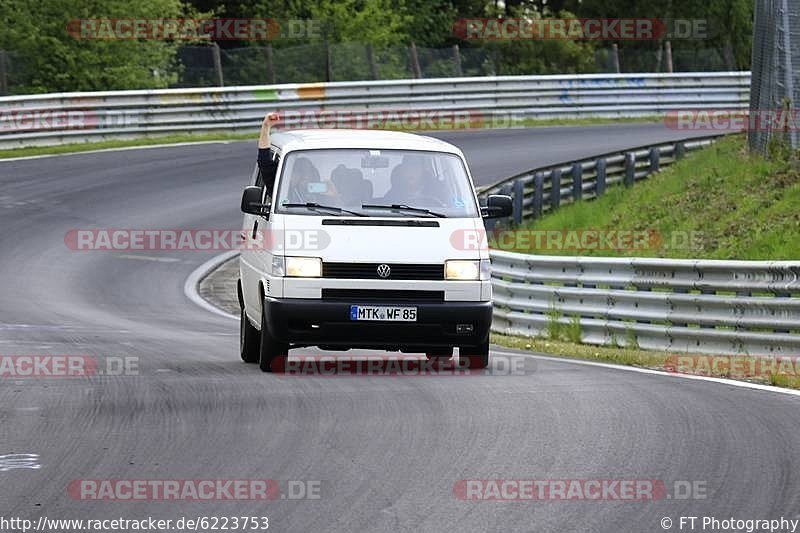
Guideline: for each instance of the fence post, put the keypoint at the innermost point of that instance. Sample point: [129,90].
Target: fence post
[217,57]
[328,62]
[630,168]
[415,68]
[538,194]
[615,58]
[457,60]
[373,66]
[655,154]
[668,55]
[270,65]
[519,200]
[577,182]
[555,188]
[600,184]
[3,73]
[680,150]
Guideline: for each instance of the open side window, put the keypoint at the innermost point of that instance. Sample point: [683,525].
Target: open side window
[267,171]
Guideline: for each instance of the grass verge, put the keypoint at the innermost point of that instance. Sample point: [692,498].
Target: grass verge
[222,136]
[122,143]
[766,371]
[719,203]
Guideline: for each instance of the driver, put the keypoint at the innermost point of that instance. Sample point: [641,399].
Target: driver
[303,174]
[411,184]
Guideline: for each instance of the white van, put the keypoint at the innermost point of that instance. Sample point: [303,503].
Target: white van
[355,243]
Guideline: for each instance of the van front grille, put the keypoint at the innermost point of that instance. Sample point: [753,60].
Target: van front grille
[381,295]
[397,271]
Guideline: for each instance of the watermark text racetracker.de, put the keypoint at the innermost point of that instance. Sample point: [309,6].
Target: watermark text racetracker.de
[213,239]
[132,490]
[192,29]
[583,239]
[734,366]
[597,489]
[20,120]
[733,120]
[401,366]
[603,29]
[65,366]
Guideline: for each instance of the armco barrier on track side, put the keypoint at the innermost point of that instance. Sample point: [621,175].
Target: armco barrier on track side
[543,189]
[79,117]
[705,306]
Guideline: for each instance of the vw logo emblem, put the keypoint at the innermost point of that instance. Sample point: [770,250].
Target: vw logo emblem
[384,271]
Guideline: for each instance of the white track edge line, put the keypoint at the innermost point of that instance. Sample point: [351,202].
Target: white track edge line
[731,382]
[192,283]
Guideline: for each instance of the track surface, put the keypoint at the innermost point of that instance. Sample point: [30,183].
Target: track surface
[387,449]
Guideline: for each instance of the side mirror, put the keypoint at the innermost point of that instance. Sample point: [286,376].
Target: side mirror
[251,201]
[497,206]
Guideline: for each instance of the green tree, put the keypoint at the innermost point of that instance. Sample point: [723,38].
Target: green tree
[45,57]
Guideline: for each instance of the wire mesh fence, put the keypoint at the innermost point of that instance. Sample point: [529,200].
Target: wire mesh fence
[210,66]
[775,85]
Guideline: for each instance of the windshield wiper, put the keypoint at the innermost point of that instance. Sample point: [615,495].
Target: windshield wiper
[316,206]
[403,207]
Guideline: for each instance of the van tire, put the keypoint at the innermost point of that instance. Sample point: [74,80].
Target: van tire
[474,357]
[272,353]
[249,336]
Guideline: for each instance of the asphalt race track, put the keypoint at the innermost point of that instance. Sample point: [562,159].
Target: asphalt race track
[387,451]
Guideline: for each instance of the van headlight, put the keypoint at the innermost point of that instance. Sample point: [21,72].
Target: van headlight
[303,267]
[464,270]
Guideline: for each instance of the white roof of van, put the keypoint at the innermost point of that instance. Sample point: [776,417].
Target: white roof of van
[358,139]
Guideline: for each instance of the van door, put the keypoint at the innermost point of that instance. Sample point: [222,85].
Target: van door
[256,232]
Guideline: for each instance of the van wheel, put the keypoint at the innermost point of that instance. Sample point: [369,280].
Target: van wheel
[249,336]
[474,357]
[272,353]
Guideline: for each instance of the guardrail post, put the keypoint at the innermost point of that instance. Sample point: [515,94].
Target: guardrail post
[680,150]
[538,194]
[519,200]
[655,154]
[555,188]
[577,182]
[630,168]
[600,184]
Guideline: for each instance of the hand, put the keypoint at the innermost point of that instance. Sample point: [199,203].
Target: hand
[271,118]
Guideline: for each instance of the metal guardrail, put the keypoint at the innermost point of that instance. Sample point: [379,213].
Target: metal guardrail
[536,191]
[81,117]
[706,306]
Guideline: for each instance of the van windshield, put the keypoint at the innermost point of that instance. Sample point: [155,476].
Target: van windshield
[383,183]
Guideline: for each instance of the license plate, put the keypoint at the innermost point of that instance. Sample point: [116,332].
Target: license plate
[383,313]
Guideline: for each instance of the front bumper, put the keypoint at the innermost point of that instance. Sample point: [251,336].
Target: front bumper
[327,323]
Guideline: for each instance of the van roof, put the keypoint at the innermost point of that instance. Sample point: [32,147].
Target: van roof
[359,139]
